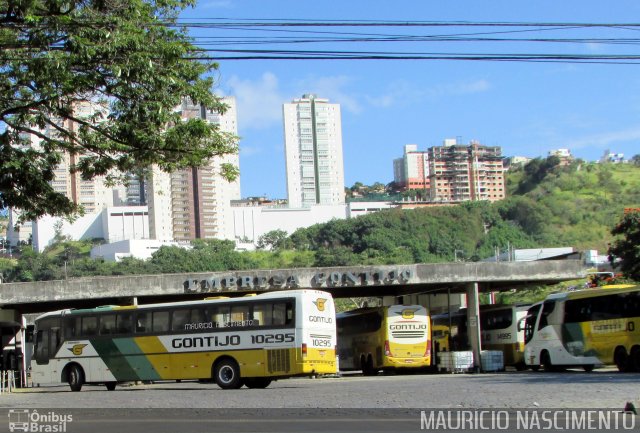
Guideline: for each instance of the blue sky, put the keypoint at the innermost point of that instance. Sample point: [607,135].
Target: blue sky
[526,108]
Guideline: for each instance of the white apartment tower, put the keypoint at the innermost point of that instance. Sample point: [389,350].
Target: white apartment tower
[195,203]
[313,152]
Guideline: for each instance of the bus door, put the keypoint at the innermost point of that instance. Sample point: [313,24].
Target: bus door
[530,321]
[47,341]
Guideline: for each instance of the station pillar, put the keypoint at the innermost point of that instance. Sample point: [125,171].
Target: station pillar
[473,324]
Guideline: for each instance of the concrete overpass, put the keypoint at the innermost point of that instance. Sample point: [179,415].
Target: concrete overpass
[372,281]
[394,280]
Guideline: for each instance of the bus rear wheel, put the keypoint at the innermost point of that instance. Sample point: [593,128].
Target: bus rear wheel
[76,378]
[634,360]
[621,359]
[257,382]
[368,368]
[226,374]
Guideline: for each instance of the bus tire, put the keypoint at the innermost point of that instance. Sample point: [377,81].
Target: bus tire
[226,374]
[111,386]
[521,366]
[545,360]
[634,359]
[535,367]
[257,382]
[588,368]
[76,377]
[621,359]
[368,369]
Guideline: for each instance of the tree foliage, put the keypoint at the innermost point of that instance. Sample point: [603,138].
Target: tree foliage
[126,57]
[627,247]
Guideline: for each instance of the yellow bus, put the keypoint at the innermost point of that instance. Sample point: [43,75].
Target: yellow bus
[384,338]
[585,328]
[234,341]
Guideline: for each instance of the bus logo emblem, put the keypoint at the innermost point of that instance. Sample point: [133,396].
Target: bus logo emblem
[408,313]
[77,349]
[319,303]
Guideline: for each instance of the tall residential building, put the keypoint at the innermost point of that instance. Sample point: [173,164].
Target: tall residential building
[93,195]
[455,172]
[313,152]
[195,203]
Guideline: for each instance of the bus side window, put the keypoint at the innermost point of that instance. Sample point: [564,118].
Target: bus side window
[108,324]
[547,309]
[71,327]
[143,322]
[42,346]
[124,323]
[160,321]
[258,315]
[179,318]
[89,325]
[198,315]
[220,316]
[279,314]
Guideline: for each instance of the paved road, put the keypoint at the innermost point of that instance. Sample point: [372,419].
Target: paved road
[346,404]
[572,389]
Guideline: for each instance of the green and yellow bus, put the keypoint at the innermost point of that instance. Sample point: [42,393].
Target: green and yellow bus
[384,338]
[585,328]
[232,341]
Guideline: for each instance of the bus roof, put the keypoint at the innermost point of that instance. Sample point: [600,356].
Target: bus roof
[277,294]
[598,291]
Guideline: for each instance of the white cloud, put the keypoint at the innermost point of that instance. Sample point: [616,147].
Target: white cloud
[462,88]
[259,102]
[402,92]
[605,140]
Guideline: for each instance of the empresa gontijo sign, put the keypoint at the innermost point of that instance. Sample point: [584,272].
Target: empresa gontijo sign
[230,283]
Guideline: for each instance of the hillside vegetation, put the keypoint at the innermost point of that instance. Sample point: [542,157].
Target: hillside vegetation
[548,205]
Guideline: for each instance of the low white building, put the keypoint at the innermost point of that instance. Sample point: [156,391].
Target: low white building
[138,248]
[251,222]
[111,224]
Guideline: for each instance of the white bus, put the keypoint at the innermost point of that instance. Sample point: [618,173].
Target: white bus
[585,328]
[500,329]
[234,341]
[384,338]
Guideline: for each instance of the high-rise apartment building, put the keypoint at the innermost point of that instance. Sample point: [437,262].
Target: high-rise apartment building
[453,172]
[313,152]
[93,195]
[412,170]
[195,203]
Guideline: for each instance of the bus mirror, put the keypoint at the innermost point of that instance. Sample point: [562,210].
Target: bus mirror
[521,324]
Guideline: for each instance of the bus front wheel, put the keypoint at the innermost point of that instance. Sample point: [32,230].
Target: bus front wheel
[76,378]
[111,386]
[226,374]
[545,360]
